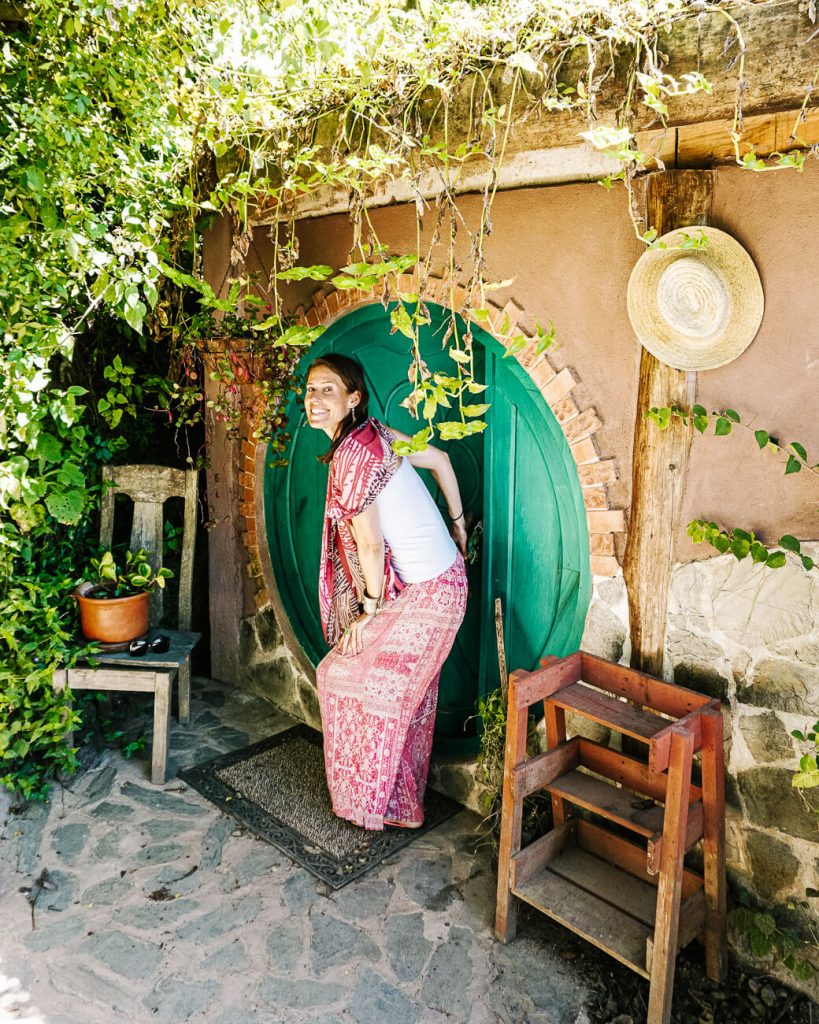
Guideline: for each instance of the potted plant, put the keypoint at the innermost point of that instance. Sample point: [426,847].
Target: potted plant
[113,602]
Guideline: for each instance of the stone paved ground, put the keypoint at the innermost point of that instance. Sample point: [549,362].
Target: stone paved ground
[246,936]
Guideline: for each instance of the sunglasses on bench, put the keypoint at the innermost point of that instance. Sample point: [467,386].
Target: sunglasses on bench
[159,644]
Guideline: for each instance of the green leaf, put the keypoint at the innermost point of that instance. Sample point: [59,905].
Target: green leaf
[731,414]
[66,506]
[452,431]
[740,548]
[35,179]
[759,553]
[474,410]
[807,562]
[517,344]
[722,543]
[776,560]
[699,410]
[723,426]
[805,780]
[803,970]
[800,450]
[790,543]
[318,272]
[400,320]
[71,475]
[765,923]
[458,355]
[762,437]
[48,448]
[793,465]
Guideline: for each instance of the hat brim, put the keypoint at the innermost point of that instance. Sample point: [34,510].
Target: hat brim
[731,262]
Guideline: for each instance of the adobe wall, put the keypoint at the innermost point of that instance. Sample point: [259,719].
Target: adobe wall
[743,633]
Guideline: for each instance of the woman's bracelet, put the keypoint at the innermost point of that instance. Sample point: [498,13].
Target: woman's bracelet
[370,604]
[454,519]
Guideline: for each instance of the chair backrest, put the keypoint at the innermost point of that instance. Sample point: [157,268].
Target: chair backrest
[150,487]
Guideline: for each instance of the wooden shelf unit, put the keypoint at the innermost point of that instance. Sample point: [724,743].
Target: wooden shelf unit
[633,899]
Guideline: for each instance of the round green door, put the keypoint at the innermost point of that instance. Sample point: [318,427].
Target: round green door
[517,478]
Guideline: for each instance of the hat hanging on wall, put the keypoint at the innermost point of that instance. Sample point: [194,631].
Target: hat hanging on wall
[695,309]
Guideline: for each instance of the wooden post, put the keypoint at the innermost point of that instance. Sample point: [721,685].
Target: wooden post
[506,913]
[669,890]
[555,734]
[673,199]
[713,843]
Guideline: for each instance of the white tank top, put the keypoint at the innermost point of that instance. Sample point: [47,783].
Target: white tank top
[412,526]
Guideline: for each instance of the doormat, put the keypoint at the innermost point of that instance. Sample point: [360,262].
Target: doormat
[278,789]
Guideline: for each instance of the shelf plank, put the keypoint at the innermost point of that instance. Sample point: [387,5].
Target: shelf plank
[526,863]
[538,772]
[634,897]
[628,771]
[617,805]
[609,711]
[589,916]
[627,856]
[644,689]
[532,687]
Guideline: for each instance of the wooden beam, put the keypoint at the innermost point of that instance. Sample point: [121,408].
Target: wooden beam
[673,199]
[545,148]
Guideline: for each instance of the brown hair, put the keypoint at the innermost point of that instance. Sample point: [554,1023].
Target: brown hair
[352,377]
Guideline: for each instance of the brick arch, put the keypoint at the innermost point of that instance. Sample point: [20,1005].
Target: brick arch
[579,426]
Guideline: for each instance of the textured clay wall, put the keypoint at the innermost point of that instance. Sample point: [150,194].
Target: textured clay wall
[745,634]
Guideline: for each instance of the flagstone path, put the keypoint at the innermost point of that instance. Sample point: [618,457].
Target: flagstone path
[158,908]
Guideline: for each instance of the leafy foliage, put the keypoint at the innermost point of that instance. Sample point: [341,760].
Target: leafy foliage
[768,940]
[126,128]
[135,575]
[740,543]
[808,775]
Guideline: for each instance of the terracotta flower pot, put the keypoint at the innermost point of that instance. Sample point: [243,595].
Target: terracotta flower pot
[112,619]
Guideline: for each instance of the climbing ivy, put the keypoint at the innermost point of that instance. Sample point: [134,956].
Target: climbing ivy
[733,540]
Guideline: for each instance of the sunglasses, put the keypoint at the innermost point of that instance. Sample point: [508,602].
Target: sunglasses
[159,644]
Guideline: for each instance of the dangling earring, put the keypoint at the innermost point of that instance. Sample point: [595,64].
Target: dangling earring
[352,413]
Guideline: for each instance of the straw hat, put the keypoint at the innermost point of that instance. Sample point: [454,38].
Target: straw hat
[695,308]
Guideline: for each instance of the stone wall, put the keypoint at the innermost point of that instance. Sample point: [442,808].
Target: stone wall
[749,636]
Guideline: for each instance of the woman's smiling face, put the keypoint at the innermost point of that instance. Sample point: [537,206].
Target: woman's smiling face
[327,400]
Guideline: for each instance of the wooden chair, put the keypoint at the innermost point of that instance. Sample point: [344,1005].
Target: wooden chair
[634,899]
[149,487]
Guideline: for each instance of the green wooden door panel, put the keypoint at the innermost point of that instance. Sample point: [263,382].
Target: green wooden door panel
[518,477]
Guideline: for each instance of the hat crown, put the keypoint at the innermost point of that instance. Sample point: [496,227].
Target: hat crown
[692,298]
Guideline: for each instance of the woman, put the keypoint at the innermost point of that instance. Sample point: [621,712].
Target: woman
[392,591]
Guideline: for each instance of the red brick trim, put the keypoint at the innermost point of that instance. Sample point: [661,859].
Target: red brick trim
[556,386]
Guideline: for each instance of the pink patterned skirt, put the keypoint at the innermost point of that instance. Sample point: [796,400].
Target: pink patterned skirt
[378,707]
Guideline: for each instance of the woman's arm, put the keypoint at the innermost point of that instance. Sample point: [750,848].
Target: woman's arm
[440,466]
[369,541]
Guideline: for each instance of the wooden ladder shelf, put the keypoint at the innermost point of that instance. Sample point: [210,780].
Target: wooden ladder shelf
[632,897]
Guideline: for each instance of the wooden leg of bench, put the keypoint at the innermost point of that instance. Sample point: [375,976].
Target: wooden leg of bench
[713,801]
[185,691]
[669,890]
[162,725]
[506,915]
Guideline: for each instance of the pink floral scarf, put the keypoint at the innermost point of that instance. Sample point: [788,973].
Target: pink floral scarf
[362,466]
